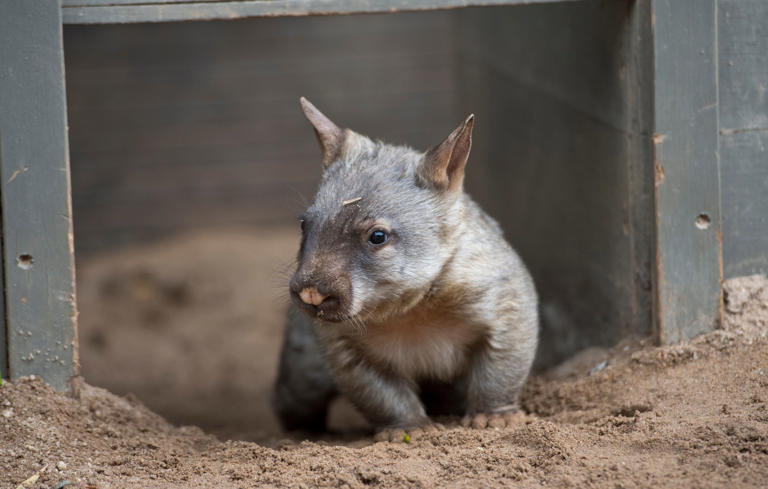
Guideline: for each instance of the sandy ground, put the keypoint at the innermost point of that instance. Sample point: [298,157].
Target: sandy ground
[191,327]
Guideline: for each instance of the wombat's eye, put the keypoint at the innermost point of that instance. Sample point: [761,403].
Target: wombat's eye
[378,237]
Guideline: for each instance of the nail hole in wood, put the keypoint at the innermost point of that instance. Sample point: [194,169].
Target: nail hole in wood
[703,221]
[25,261]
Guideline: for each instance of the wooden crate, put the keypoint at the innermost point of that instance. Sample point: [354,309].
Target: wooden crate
[621,143]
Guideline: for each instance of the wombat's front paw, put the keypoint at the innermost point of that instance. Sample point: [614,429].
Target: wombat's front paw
[480,421]
[406,435]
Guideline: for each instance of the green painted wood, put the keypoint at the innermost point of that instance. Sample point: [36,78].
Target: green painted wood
[688,267]
[744,161]
[126,11]
[34,182]
[3,330]
[743,91]
[95,3]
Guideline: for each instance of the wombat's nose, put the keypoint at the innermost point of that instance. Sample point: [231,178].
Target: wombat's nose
[310,295]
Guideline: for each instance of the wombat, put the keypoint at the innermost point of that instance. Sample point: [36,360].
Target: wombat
[406,299]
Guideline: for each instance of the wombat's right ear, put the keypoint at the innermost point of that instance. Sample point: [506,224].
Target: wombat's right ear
[329,135]
[443,165]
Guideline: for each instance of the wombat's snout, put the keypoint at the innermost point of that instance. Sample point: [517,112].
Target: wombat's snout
[322,299]
[310,295]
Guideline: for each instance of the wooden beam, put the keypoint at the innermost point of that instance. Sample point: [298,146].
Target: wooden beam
[742,33]
[3,328]
[38,259]
[129,11]
[688,269]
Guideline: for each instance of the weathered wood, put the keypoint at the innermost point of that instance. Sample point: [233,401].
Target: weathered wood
[3,330]
[744,163]
[34,183]
[127,11]
[95,3]
[170,131]
[688,268]
[743,84]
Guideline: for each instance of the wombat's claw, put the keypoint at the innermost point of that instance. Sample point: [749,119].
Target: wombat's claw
[481,421]
[407,435]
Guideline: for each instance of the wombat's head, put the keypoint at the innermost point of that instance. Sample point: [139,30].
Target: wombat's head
[382,225]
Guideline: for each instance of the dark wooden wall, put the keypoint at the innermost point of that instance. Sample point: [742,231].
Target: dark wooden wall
[743,87]
[184,125]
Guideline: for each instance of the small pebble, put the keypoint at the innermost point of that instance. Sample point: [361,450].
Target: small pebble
[7,413]
[61,465]
[597,368]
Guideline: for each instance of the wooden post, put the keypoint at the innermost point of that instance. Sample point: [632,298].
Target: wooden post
[38,259]
[688,269]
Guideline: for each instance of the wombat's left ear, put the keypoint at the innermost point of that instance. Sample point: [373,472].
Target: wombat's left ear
[329,135]
[443,165]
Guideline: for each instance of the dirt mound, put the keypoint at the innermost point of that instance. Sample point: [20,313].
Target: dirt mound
[688,415]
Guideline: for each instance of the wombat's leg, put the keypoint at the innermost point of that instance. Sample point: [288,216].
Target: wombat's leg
[304,385]
[498,372]
[386,400]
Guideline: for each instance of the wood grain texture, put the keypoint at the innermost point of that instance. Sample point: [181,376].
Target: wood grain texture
[744,160]
[128,11]
[181,126]
[34,173]
[743,91]
[688,265]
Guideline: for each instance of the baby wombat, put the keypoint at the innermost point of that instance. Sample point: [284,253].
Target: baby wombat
[413,303]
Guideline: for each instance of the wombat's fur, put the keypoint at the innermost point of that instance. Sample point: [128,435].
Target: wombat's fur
[413,302]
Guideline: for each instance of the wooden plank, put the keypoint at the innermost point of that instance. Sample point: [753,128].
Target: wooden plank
[34,183]
[744,162]
[637,80]
[3,329]
[688,265]
[96,12]
[743,64]
[743,82]
[95,3]
[169,130]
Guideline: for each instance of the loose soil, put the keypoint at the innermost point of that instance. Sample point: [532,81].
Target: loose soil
[190,328]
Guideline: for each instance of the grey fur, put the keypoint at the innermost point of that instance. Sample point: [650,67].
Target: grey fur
[443,315]
[304,385]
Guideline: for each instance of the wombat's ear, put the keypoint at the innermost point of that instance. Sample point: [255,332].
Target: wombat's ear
[330,136]
[443,165]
